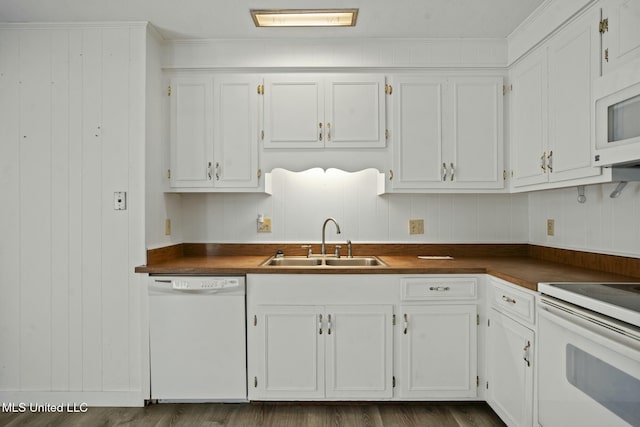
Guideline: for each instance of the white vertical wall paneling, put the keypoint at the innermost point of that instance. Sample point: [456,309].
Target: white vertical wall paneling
[59,248]
[92,199]
[115,224]
[35,210]
[10,223]
[75,362]
[138,73]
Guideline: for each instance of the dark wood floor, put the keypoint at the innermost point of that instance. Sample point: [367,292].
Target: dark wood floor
[477,414]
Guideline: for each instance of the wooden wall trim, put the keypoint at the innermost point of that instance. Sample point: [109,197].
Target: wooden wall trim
[625,266]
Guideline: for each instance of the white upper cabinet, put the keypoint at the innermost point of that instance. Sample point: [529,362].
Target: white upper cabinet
[324,110]
[214,131]
[235,142]
[620,31]
[551,109]
[572,68]
[191,101]
[447,133]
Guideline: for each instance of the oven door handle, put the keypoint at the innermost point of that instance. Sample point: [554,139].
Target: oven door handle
[593,325]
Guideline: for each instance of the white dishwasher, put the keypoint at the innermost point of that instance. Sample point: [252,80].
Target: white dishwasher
[197,338]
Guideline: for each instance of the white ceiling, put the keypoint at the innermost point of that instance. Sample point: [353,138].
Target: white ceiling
[210,19]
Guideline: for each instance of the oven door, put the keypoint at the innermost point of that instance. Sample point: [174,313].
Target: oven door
[588,369]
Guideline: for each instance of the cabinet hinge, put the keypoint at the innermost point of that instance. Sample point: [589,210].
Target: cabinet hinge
[388,89]
[255,320]
[169,90]
[504,174]
[393,320]
[604,25]
[168,173]
[260,89]
[386,134]
[393,381]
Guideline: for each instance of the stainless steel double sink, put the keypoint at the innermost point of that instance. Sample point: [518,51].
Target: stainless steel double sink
[322,262]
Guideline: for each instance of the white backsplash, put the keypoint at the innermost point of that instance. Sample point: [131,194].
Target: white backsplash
[601,224]
[298,208]
[301,202]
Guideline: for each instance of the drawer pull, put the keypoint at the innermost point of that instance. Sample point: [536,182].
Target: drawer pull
[507,299]
[320,324]
[439,288]
[329,324]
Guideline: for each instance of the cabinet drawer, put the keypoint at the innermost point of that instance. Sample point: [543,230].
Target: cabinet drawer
[438,288]
[508,299]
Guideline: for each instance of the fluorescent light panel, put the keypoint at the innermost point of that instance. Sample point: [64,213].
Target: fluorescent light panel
[305,17]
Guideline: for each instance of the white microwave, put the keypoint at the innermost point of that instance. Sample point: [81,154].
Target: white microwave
[617,117]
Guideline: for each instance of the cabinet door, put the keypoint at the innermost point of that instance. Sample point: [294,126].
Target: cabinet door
[286,353]
[529,120]
[475,152]
[439,351]
[359,348]
[355,110]
[236,131]
[510,376]
[621,41]
[417,132]
[293,111]
[191,131]
[572,67]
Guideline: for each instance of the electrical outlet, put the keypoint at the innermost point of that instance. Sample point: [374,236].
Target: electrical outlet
[265,226]
[551,227]
[167,227]
[416,226]
[120,200]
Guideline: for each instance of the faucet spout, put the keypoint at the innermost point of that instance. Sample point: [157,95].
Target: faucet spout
[323,249]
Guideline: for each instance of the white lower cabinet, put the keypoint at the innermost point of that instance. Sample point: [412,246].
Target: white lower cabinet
[362,337]
[510,350]
[438,351]
[317,352]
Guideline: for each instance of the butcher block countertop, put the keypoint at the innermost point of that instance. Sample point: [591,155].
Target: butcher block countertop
[521,264]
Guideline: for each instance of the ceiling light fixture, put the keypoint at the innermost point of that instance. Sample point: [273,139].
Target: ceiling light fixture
[305,17]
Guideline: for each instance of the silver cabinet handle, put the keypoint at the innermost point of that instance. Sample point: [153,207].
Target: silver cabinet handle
[320,133]
[320,324]
[507,299]
[444,171]
[525,355]
[328,131]
[209,171]
[406,323]
[217,171]
[550,161]
[543,163]
[439,288]
[453,172]
[329,324]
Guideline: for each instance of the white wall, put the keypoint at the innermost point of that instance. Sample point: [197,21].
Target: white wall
[601,224]
[72,111]
[302,201]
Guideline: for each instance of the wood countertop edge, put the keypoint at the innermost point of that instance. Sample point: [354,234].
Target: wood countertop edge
[507,262]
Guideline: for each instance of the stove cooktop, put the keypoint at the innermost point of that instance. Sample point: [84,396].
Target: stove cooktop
[620,301]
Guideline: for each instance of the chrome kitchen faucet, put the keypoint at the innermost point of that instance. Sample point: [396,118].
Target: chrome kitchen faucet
[323,249]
